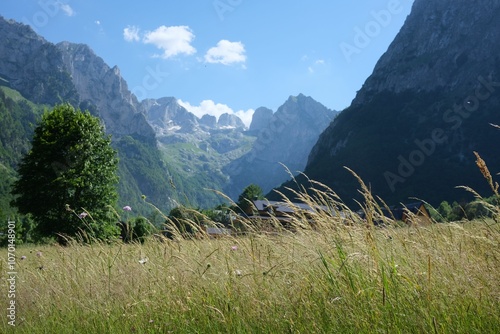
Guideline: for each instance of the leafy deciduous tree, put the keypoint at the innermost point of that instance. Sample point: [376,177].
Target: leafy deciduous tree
[249,194]
[71,168]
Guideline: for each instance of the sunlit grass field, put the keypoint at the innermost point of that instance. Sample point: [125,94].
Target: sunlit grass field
[326,272]
[337,278]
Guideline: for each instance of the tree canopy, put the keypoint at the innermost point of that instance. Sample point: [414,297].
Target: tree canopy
[68,180]
[250,193]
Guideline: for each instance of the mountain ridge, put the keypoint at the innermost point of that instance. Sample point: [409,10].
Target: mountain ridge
[285,141]
[166,153]
[412,128]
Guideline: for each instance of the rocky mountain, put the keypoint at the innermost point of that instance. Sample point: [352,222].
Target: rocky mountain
[196,149]
[412,128]
[44,73]
[286,140]
[25,57]
[261,119]
[104,87]
[166,152]
[208,121]
[230,121]
[167,117]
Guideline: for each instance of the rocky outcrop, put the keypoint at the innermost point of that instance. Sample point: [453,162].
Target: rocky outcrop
[104,87]
[230,121]
[33,66]
[287,139]
[71,73]
[168,117]
[260,119]
[208,121]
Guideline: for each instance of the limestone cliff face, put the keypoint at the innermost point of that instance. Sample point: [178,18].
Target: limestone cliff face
[413,126]
[261,119]
[46,73]
[32,66]
[167,117]
[230,121]
[105,88]
[287,139]
[66,72]
[208,121]
[443,45]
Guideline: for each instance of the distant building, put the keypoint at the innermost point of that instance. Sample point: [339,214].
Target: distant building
[285,212]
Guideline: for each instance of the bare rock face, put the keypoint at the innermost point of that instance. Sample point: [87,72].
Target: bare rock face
[286,140]
[66,72]
[413,127]
[32,66]
[104,87]
[230,121]
[208,121]
[443,45]
[168,117]
[261,119]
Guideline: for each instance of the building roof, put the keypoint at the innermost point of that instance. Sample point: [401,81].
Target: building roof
[284,207]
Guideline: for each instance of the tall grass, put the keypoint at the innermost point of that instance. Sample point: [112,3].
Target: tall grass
[335,273]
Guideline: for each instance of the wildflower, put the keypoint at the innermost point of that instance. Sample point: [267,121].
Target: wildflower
[143,260]
[127,208]
[234,248]
[23,257]
[238,272]
[83,215]
[39,254]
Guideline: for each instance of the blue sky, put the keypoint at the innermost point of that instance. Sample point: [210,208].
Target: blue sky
[227,55]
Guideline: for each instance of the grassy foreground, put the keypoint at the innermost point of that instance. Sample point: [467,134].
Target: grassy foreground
[338,279]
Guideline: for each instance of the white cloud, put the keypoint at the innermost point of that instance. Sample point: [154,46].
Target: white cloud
[216,109]
[131,34]
[245,116]
[316,66]
[172,40]
[66,9]
[226,53]
[97,22]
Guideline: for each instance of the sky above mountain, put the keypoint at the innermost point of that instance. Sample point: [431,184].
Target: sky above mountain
[219,56]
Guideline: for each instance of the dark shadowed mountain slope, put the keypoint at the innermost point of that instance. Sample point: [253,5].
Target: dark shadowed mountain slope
[412,128]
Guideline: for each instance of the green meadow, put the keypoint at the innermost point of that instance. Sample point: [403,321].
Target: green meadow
[338,277]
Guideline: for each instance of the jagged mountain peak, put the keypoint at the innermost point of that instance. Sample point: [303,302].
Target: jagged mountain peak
[9,27]
[227,120]
[286,139]
[106,89]
[27,59]
[261,118]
